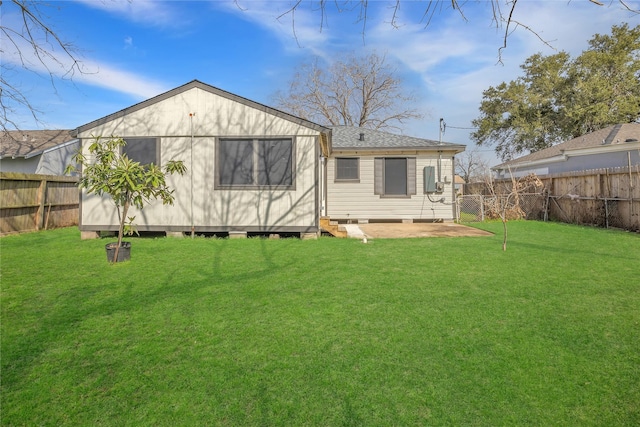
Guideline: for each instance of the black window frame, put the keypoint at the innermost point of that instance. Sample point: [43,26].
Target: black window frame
[131,155]
[255,178]
[338,177]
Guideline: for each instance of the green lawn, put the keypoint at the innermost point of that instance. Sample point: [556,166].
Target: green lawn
[441,331]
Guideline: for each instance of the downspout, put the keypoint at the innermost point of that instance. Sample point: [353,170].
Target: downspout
[443,127]
[193,228]
[323,174]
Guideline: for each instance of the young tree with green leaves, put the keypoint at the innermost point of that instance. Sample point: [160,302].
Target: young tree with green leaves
[106,170]
[560,98]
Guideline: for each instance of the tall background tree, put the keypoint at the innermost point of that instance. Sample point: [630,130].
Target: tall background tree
[560,98]
[471,166]
[358,91]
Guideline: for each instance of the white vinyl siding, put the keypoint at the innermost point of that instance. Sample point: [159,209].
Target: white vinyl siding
[353,201]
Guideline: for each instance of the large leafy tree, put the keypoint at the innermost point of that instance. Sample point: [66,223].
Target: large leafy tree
[560,97]
[359,91]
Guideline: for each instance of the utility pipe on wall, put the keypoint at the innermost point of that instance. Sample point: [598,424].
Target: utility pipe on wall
[193,228]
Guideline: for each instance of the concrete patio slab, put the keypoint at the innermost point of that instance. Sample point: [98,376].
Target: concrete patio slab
[403,230]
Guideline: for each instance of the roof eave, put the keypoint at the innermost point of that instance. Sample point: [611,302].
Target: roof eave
[609,148]
[456,148]
[515,166]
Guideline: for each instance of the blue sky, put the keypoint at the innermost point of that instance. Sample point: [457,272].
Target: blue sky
[133,50]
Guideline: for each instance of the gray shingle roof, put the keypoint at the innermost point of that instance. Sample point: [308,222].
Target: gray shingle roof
[351,137]
[616,134]
[30,143]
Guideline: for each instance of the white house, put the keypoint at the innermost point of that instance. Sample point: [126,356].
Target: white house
[254,169]
[250,168]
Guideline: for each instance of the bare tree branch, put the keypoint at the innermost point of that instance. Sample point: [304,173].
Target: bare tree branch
[626,6]
[37,46]
[500,18]
[471,166]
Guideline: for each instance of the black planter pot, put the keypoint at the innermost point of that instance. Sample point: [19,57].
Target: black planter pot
[124,254]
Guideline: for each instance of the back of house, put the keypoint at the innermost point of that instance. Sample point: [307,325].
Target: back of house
[250,168]
[375,176]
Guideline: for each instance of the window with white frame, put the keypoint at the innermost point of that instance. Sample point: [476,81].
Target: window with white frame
[250,163]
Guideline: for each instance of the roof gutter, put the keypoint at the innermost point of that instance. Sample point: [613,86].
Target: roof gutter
[608,148]
[515,166]
[436,148]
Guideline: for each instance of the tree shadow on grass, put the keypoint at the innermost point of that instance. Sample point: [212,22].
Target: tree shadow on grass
[77,304]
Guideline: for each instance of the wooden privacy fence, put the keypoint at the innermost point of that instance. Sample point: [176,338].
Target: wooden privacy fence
[37,202]
[603,197]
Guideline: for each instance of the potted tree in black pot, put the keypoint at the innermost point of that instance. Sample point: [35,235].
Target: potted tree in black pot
[106,170]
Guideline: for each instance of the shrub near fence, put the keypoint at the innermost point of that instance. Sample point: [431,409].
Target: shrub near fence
[476,207]
[36,202]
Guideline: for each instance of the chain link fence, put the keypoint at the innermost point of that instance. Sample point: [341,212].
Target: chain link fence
[478,208]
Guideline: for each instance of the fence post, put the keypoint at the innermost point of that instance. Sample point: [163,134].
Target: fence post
[42,193]
[481,207]
[546,204]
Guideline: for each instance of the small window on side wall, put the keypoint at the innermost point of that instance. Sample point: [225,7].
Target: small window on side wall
[347,169]
[142,150]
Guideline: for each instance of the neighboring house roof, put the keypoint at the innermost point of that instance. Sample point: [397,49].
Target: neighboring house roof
[355,138]
[200,85]
[30,143]
[603,140]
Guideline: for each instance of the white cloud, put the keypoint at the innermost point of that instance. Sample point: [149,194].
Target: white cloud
[146,12]
[58,64]
[119,80]
[297,29]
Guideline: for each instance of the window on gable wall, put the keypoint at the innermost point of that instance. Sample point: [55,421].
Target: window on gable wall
[347,169]
[251,163]
[395,176]
[142,150]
